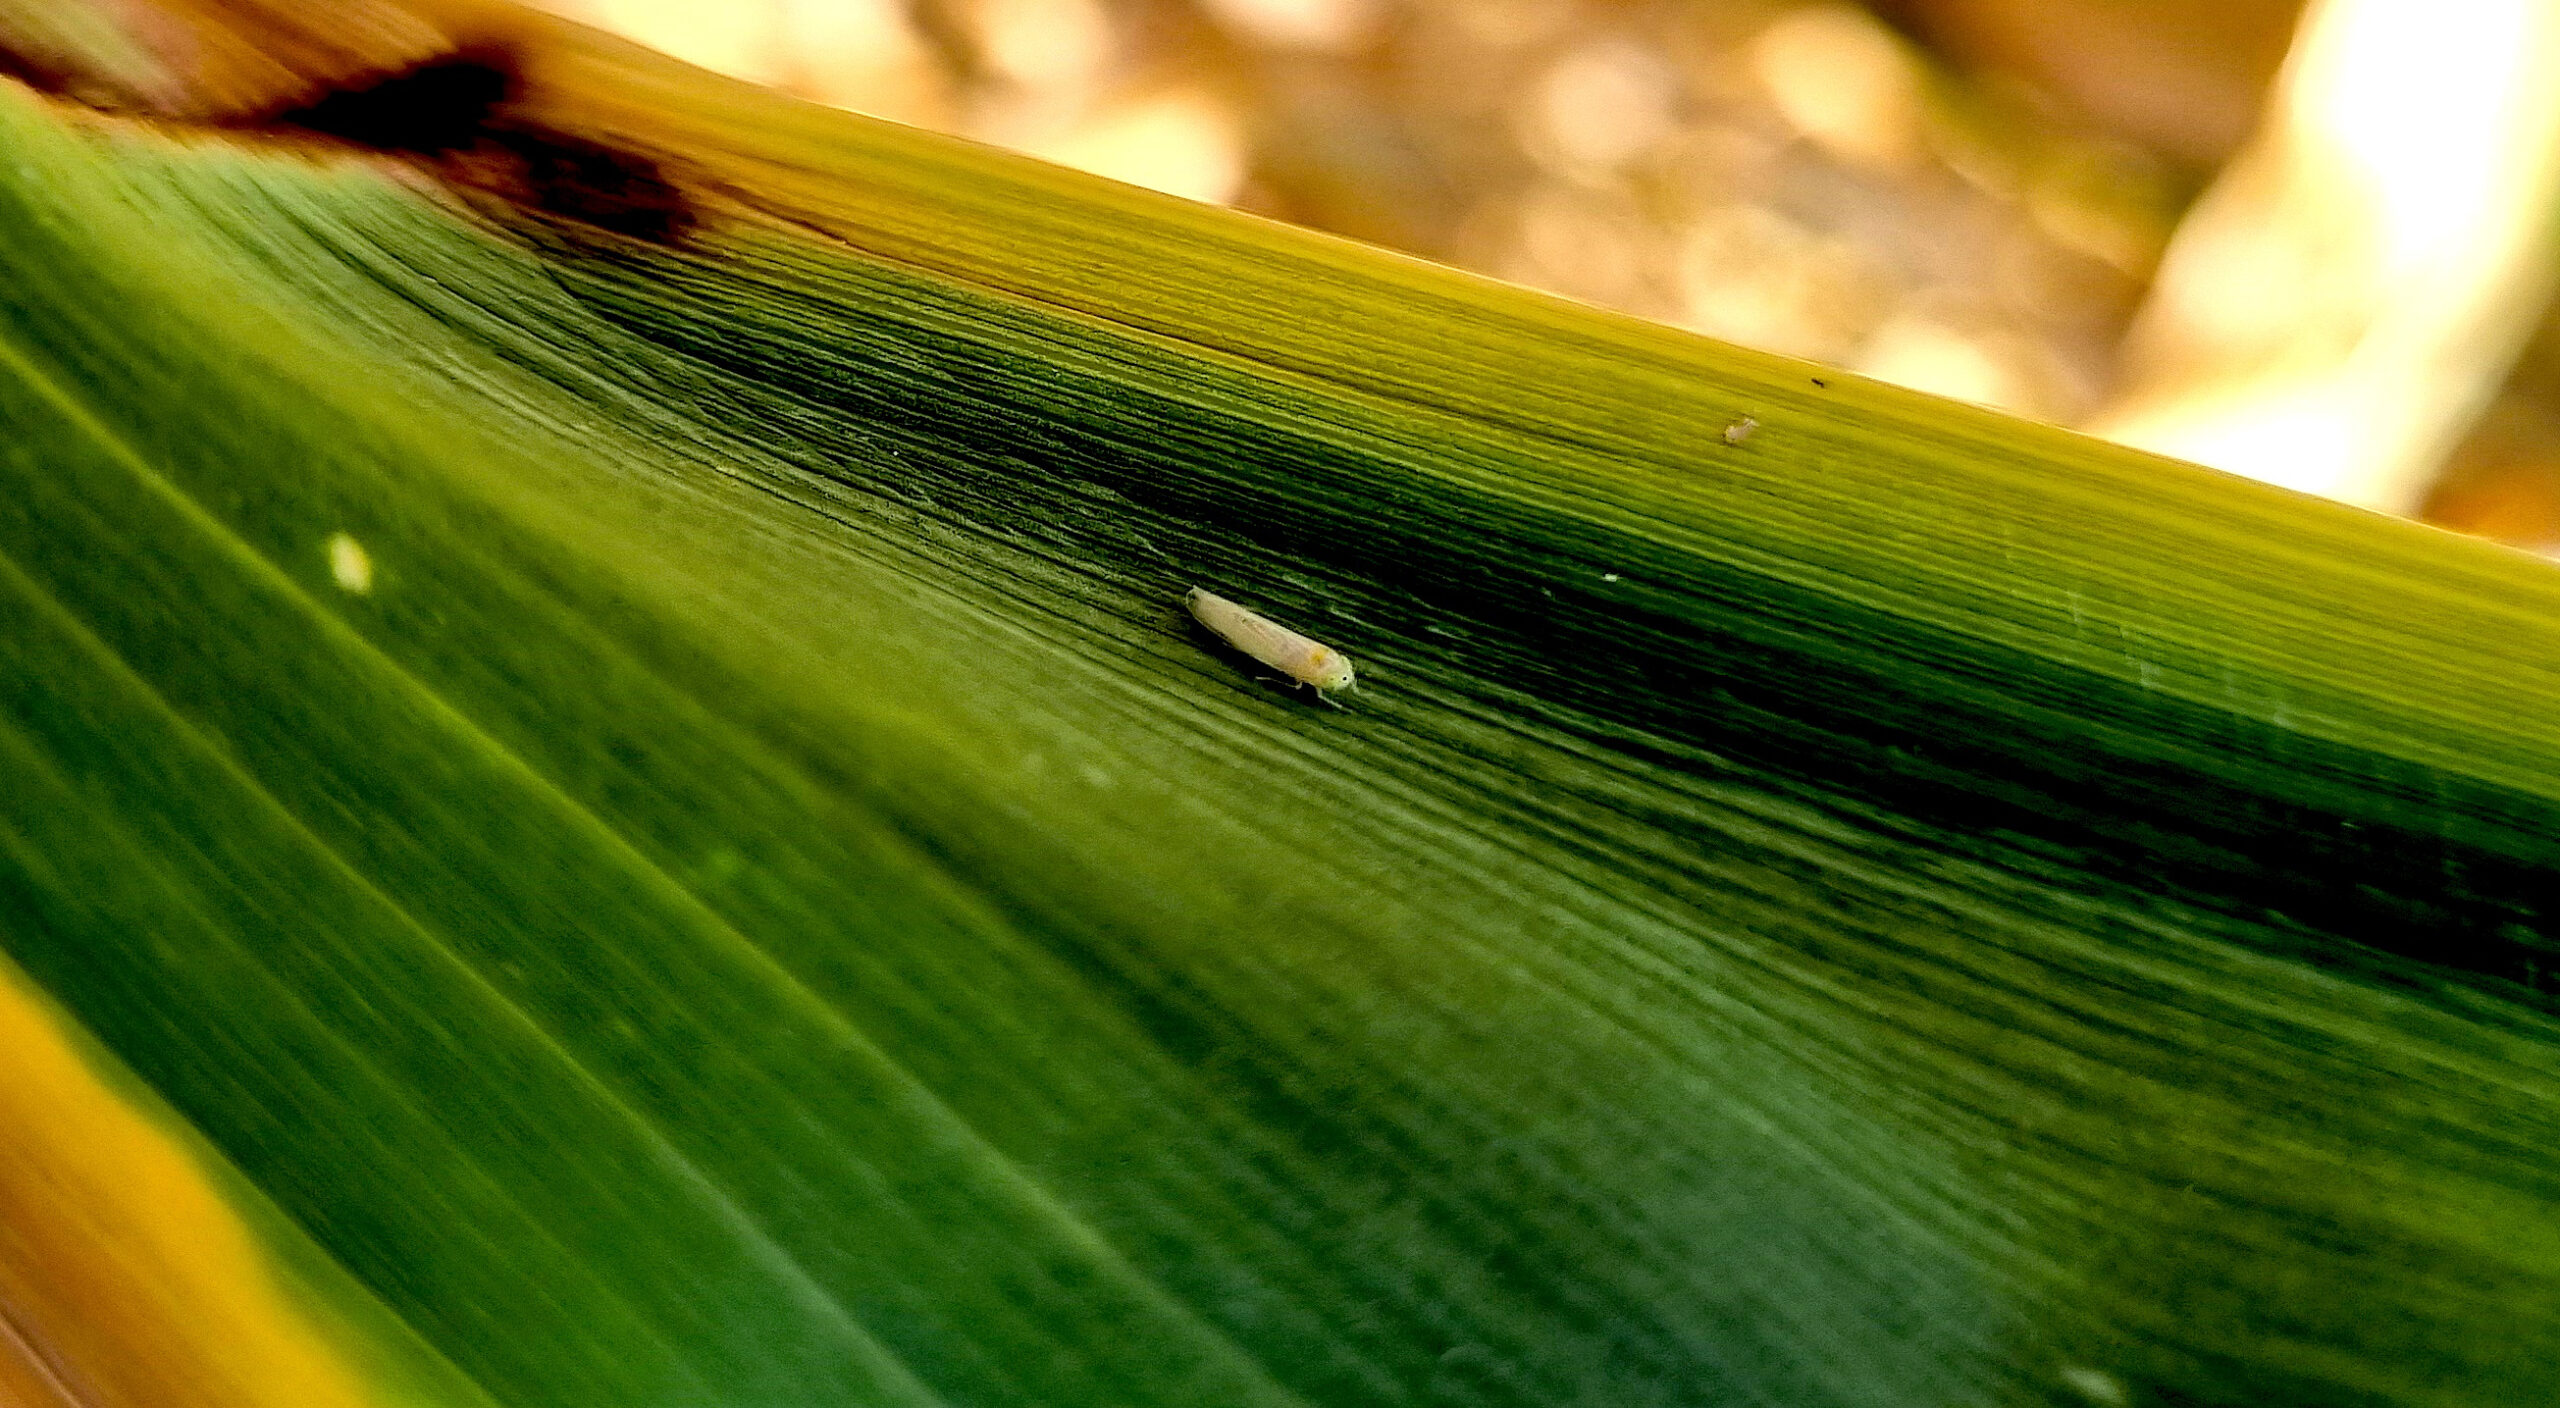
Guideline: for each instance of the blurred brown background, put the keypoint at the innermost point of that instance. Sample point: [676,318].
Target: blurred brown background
[2308,243]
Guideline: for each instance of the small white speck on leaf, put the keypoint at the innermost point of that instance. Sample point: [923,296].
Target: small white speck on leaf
[1740,430]
[2096,1385]
[1611,577]
[350,564]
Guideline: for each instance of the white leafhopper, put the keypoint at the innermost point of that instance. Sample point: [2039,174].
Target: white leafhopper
[1307,662]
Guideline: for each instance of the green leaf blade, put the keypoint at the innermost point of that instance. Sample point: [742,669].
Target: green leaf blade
[766,899]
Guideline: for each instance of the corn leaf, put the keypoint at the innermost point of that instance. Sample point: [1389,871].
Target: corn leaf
[608,775]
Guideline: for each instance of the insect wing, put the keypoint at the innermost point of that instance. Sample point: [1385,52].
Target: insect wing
[1274,645]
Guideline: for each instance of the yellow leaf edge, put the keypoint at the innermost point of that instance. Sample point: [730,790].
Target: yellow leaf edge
[138,1267]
